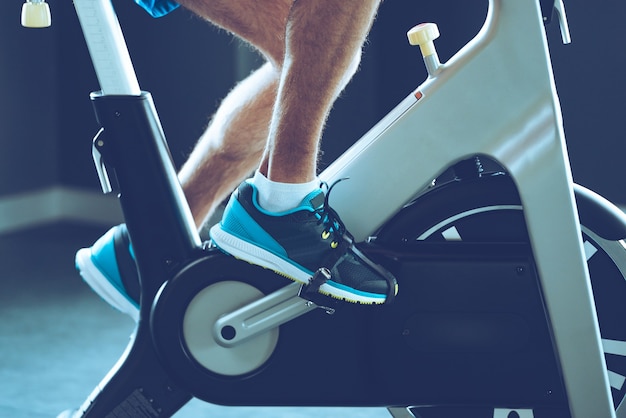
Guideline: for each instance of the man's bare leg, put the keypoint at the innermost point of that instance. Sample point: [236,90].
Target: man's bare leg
[323,42]
[233,144]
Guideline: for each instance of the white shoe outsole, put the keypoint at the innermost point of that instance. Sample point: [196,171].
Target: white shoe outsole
[253,254]
[102,286]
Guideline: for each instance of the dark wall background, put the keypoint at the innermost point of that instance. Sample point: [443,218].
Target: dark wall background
[46,121]
[28,104]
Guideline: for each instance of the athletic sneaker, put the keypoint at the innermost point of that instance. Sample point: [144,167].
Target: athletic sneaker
[298,242]
[109,268]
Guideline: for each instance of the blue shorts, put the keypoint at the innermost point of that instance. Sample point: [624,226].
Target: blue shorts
[158,8]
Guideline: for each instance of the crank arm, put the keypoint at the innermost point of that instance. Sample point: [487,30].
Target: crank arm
[266,313]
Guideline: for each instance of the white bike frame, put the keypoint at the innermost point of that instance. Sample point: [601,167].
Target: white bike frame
[495,97]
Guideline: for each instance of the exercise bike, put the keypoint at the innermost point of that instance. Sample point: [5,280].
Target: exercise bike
[482,227]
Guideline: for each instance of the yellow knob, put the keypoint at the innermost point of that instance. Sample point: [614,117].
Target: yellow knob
[35,14]
[423,35]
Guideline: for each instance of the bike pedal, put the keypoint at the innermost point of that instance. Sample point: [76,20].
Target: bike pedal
[311,292]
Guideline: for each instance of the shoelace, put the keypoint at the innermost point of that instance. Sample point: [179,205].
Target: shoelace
[331,220]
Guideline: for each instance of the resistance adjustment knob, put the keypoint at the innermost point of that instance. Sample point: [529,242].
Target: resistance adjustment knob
[423,35]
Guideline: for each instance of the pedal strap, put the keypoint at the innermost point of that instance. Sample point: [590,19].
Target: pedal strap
[346,245]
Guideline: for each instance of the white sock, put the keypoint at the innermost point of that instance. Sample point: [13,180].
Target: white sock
[279,197]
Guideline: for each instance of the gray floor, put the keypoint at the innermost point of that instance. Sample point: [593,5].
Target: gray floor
[58,339]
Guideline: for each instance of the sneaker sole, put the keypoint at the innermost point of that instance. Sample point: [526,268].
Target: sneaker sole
[101,285]
[253,254]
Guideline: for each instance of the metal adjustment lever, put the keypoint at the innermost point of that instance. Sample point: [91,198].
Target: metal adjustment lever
[101,169]
[559,7]
[423,35]
[267,313]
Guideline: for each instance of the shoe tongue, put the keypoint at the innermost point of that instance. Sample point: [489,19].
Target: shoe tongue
[315,199]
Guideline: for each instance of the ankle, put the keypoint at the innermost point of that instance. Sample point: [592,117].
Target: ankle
[279,197]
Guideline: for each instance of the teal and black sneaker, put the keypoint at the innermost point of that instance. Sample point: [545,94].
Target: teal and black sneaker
[298,242]
[109,268]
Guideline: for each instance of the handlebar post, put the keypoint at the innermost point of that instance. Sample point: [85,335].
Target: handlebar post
[107,47]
